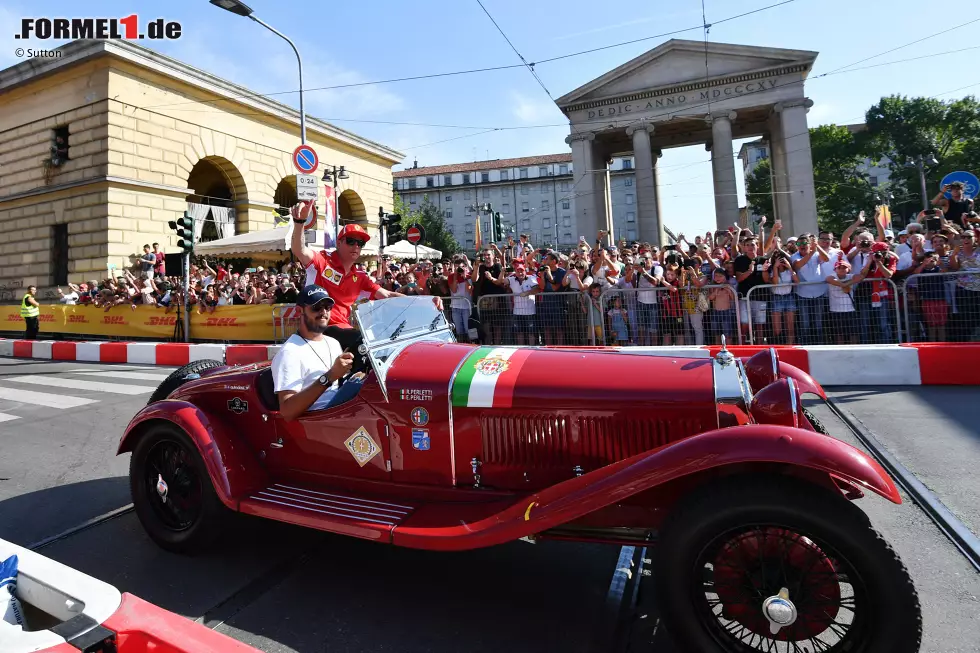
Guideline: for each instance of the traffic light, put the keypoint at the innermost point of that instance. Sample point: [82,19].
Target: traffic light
[498,229]
[185,232]
[59,147]
[390,226]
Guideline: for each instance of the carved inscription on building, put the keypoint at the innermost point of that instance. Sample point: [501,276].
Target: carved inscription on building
[683,99]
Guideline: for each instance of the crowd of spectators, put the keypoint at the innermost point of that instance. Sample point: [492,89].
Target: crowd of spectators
[788,289]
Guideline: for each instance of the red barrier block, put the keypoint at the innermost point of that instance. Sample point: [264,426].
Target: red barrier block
[173,353]
[23,348]
[795,356]
[63,351]
[113,352]
[245,354]
[943,363]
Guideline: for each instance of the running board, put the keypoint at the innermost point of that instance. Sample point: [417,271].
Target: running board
[328,511]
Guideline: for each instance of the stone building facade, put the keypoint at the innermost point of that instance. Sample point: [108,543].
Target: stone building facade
[146,136]
[535,195]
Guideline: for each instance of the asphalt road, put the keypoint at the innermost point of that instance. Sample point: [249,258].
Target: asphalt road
[281,588]
[276,587]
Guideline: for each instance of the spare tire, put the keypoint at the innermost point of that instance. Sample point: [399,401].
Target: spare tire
[179,376]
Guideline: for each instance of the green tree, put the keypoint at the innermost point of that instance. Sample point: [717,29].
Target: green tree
[841,189]
[903,129]
[432,221]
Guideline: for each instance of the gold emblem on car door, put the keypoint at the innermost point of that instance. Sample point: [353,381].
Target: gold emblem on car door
[362,446]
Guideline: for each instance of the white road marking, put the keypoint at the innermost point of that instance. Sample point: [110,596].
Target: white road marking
[43,398]
[4,417]
[135,376]
[95,386]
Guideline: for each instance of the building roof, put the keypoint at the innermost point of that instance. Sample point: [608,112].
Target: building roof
[492,164]
[82,50]
[743,152]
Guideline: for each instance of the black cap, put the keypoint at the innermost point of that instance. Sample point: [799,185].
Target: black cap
[312,295]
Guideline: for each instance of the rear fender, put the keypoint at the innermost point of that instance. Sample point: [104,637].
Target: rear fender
[806,453]
[804,381]
[231,464]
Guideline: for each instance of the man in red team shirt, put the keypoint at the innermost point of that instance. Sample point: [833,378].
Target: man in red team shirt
[336,273]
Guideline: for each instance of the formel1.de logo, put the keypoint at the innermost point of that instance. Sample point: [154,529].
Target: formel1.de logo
[98,28]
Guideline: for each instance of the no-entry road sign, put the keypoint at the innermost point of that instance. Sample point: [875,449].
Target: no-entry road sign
[415,234]
[305,159]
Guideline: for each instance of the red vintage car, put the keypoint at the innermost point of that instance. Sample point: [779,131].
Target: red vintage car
[712,462]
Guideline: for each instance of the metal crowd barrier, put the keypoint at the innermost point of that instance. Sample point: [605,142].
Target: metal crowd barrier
[661,316]
[942,307]
[547,318]
[867,314]
[461,316]
[285,321]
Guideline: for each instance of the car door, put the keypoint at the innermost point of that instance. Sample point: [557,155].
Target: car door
[350,440]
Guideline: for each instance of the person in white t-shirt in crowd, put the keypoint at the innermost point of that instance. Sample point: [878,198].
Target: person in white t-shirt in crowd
[649,278]
[70,298]
[844,320]
[523,288]
[784,300]
[307,369]
[811,264]
[461,289]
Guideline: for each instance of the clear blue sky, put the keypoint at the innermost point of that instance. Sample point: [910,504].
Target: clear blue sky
[344,42]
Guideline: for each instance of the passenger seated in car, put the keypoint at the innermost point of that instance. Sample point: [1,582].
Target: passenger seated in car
[306,370]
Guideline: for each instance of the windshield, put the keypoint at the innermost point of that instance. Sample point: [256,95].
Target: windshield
[385,321]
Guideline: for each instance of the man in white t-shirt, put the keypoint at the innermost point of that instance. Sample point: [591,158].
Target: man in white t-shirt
[306,370]
[524,288]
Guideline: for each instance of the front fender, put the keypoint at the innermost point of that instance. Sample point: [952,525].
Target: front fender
[232,466]
[574,498]
[804,381]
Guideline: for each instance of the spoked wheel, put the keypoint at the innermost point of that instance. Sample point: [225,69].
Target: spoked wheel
[782,566]
[172,492]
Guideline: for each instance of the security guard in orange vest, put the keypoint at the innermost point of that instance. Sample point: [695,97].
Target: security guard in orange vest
[30,310]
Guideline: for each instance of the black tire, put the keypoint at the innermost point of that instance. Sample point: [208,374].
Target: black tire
[178,377]
[817,424]
[710,586]
[192,516]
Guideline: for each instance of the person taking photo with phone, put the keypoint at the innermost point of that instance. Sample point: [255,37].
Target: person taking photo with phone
[957,207]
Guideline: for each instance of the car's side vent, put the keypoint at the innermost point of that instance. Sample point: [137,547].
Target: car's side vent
[605,440]
[532,441]
[549,441]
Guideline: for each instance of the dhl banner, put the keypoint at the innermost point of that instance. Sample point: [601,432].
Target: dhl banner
[228,323]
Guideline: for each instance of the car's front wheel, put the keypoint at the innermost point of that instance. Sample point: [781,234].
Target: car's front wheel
[779,565]
[172,492]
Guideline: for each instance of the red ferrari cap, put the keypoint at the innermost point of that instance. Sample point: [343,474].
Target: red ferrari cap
[354,231]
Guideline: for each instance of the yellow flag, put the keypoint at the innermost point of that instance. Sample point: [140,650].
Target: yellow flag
[479,236]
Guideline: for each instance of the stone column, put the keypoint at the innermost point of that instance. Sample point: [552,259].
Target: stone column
[589,189]
[777,162]
[657,237]
[802,201]
[723,169]
[645,184]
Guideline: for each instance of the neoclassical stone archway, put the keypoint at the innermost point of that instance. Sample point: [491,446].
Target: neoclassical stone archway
[215,182]
[664,99]
[351,208]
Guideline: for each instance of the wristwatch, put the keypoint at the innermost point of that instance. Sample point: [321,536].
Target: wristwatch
[324,380]
[299,221]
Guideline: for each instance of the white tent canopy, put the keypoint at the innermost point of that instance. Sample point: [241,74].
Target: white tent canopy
[405,249]
[272,242]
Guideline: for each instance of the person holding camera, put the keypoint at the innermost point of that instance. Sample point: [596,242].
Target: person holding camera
[811,263]
[749,267]
[966,258]
[781,274]
[958,207]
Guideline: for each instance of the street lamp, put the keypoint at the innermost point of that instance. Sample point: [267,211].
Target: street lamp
[920,162]
[241,9]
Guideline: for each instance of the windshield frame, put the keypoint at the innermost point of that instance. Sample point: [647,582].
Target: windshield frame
[399,343]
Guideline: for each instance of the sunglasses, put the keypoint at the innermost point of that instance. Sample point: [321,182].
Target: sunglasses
[319,307]
[354,242]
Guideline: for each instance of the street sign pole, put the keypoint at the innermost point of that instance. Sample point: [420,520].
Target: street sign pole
[187,287]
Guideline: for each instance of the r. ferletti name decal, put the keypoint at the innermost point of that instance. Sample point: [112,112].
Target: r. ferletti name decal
[129,28]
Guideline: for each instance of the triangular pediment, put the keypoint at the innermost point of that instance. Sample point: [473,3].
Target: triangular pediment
[678,62]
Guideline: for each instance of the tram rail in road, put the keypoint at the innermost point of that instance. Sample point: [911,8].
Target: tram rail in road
[957,532]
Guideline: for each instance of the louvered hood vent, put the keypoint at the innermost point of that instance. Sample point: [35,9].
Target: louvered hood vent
[555,441]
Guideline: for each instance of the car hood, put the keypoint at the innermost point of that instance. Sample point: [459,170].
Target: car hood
[531,378]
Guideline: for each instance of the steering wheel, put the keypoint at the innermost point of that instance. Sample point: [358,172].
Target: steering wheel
[359,364]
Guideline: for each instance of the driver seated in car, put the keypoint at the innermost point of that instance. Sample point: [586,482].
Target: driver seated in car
[307,369]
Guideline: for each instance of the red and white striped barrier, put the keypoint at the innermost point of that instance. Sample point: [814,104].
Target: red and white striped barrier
[830,365]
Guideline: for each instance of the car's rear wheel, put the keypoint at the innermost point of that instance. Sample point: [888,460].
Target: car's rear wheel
[172,492]
[179,376]
[739,560]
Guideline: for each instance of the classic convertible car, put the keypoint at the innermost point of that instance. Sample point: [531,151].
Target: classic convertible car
[712,462]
